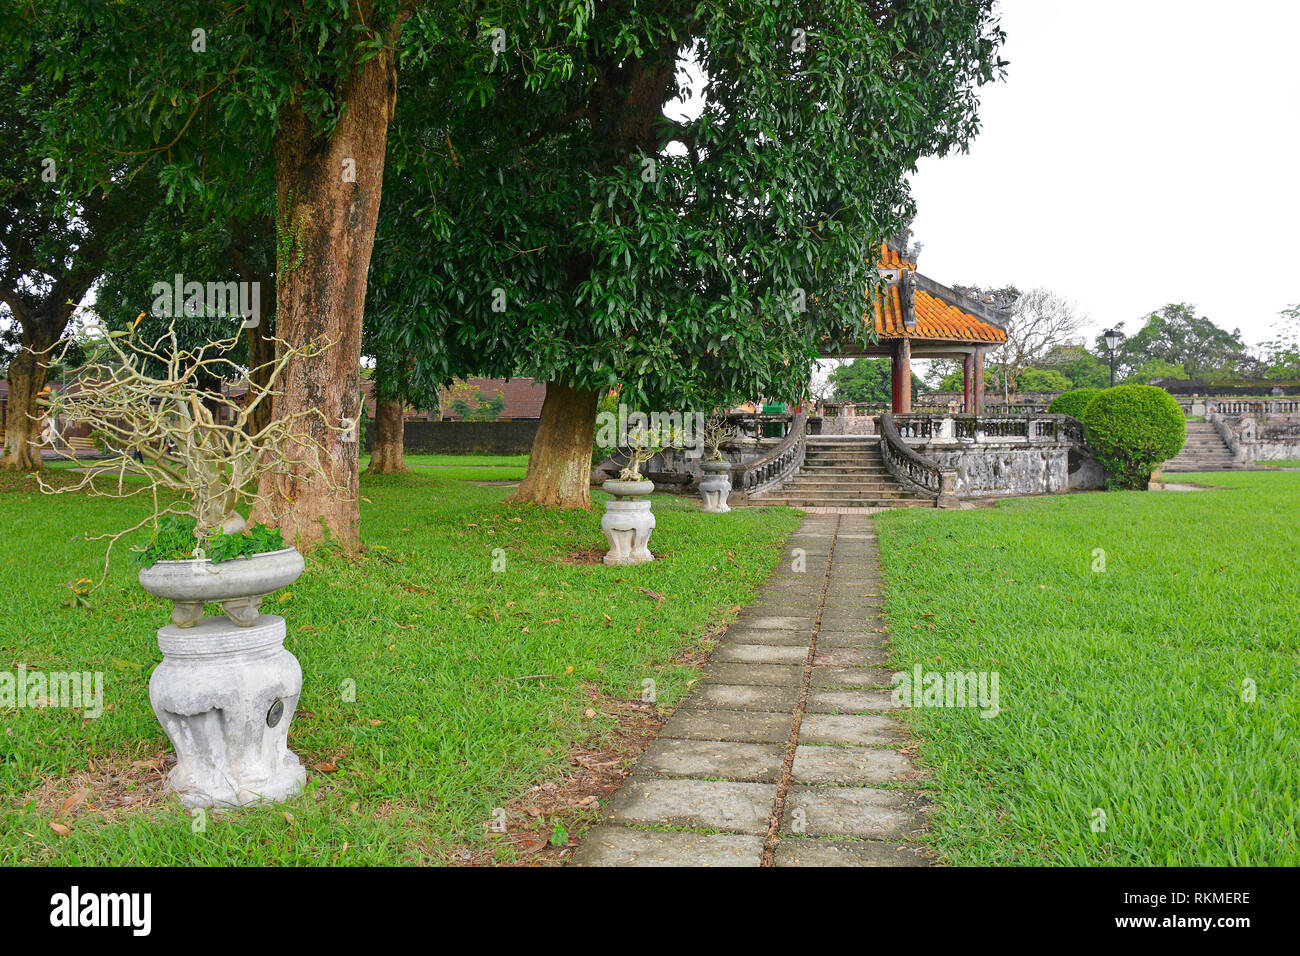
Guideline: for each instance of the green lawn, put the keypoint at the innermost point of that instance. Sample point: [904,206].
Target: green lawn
[1120,690]
[468,467]
[440,733]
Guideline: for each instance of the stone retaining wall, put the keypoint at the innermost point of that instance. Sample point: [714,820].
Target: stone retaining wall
[1268,438]
[465,438]
[1014,468]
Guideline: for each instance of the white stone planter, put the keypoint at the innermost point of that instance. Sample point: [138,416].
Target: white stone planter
[715,487]
[628,522]
[227,689]
[238,585]
[225,695]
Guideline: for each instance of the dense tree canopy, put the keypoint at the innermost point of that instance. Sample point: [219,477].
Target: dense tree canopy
[1176,336]
[55,236]
[866,381]
[271,111]
[696,255]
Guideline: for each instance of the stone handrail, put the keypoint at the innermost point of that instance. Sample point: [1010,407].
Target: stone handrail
[777,465]
[958,428]
[911,469]
[1234,408]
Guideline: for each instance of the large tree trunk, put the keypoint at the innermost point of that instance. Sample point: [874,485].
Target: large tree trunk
[22,417]
[387,455]
[328,192]
[559,470]
[41,329]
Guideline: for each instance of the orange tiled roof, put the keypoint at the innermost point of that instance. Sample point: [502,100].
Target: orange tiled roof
[935,318]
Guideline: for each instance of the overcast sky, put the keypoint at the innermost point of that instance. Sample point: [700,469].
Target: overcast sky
[1138,153]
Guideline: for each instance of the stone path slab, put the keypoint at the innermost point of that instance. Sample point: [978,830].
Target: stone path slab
[788,751]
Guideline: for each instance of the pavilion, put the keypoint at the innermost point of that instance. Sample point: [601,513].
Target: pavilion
[920,318]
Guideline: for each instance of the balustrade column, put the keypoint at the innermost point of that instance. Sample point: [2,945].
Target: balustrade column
[902,369]
[967,368]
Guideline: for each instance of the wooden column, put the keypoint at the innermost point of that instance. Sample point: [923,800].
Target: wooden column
[902,377]
[978,362]
[967,361]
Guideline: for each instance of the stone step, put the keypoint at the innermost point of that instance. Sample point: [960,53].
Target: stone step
[805,502]
[816,485]
[865,471]
[843,463]
[894,492]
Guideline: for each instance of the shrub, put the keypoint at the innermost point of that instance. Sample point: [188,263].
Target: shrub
[1073,403]
[1132,429]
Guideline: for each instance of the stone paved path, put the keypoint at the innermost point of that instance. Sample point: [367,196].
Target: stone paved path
[786,753]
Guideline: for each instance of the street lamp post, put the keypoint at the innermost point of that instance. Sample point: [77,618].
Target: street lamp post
[1112,339]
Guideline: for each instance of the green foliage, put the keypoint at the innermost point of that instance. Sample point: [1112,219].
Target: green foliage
[554,233]
[1074,402]
[1042,380]
[1282,354]
[1132,429]
[1153,369]
[866,381]
[258,539]
[1177,336]
[1081,367]
[608,405]
[174,541]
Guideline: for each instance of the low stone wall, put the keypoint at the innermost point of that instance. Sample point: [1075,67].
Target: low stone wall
[465,438]
[1278,438]
[848,425]
[1268,438]
[1014,468]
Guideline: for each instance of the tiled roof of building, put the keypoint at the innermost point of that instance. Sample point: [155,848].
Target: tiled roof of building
[935,318]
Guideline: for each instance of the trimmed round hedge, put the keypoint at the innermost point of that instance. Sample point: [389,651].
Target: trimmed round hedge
[1132,429]
[1073,403]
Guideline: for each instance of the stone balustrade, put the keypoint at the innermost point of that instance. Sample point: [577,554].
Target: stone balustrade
[1004,454]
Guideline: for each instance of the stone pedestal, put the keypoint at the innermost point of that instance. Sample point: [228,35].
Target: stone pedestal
[715,487]
[225,695]
[628,522]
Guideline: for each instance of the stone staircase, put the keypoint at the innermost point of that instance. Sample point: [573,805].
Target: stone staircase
[1204,451]
[843,471]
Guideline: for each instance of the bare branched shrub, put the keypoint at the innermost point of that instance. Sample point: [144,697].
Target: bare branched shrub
[717,433]
[146,404]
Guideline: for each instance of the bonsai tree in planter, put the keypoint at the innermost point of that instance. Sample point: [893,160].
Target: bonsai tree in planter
[192,447]
[226,689]
[628,520]
[715,487]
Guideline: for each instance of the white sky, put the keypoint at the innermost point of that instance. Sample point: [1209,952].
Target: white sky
[1139,152]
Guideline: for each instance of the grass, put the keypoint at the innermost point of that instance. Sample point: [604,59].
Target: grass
[441,731]
[1121,690]
[467,467]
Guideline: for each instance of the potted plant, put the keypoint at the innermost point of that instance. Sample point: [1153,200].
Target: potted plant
[628,521]
[715,487]
[226,689]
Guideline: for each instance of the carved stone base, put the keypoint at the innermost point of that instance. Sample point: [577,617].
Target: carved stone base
[715,489]
[225,695]
[627,525]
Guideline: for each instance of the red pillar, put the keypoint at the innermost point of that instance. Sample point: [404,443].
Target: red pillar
[967,361]
[978,361]
[902,377]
